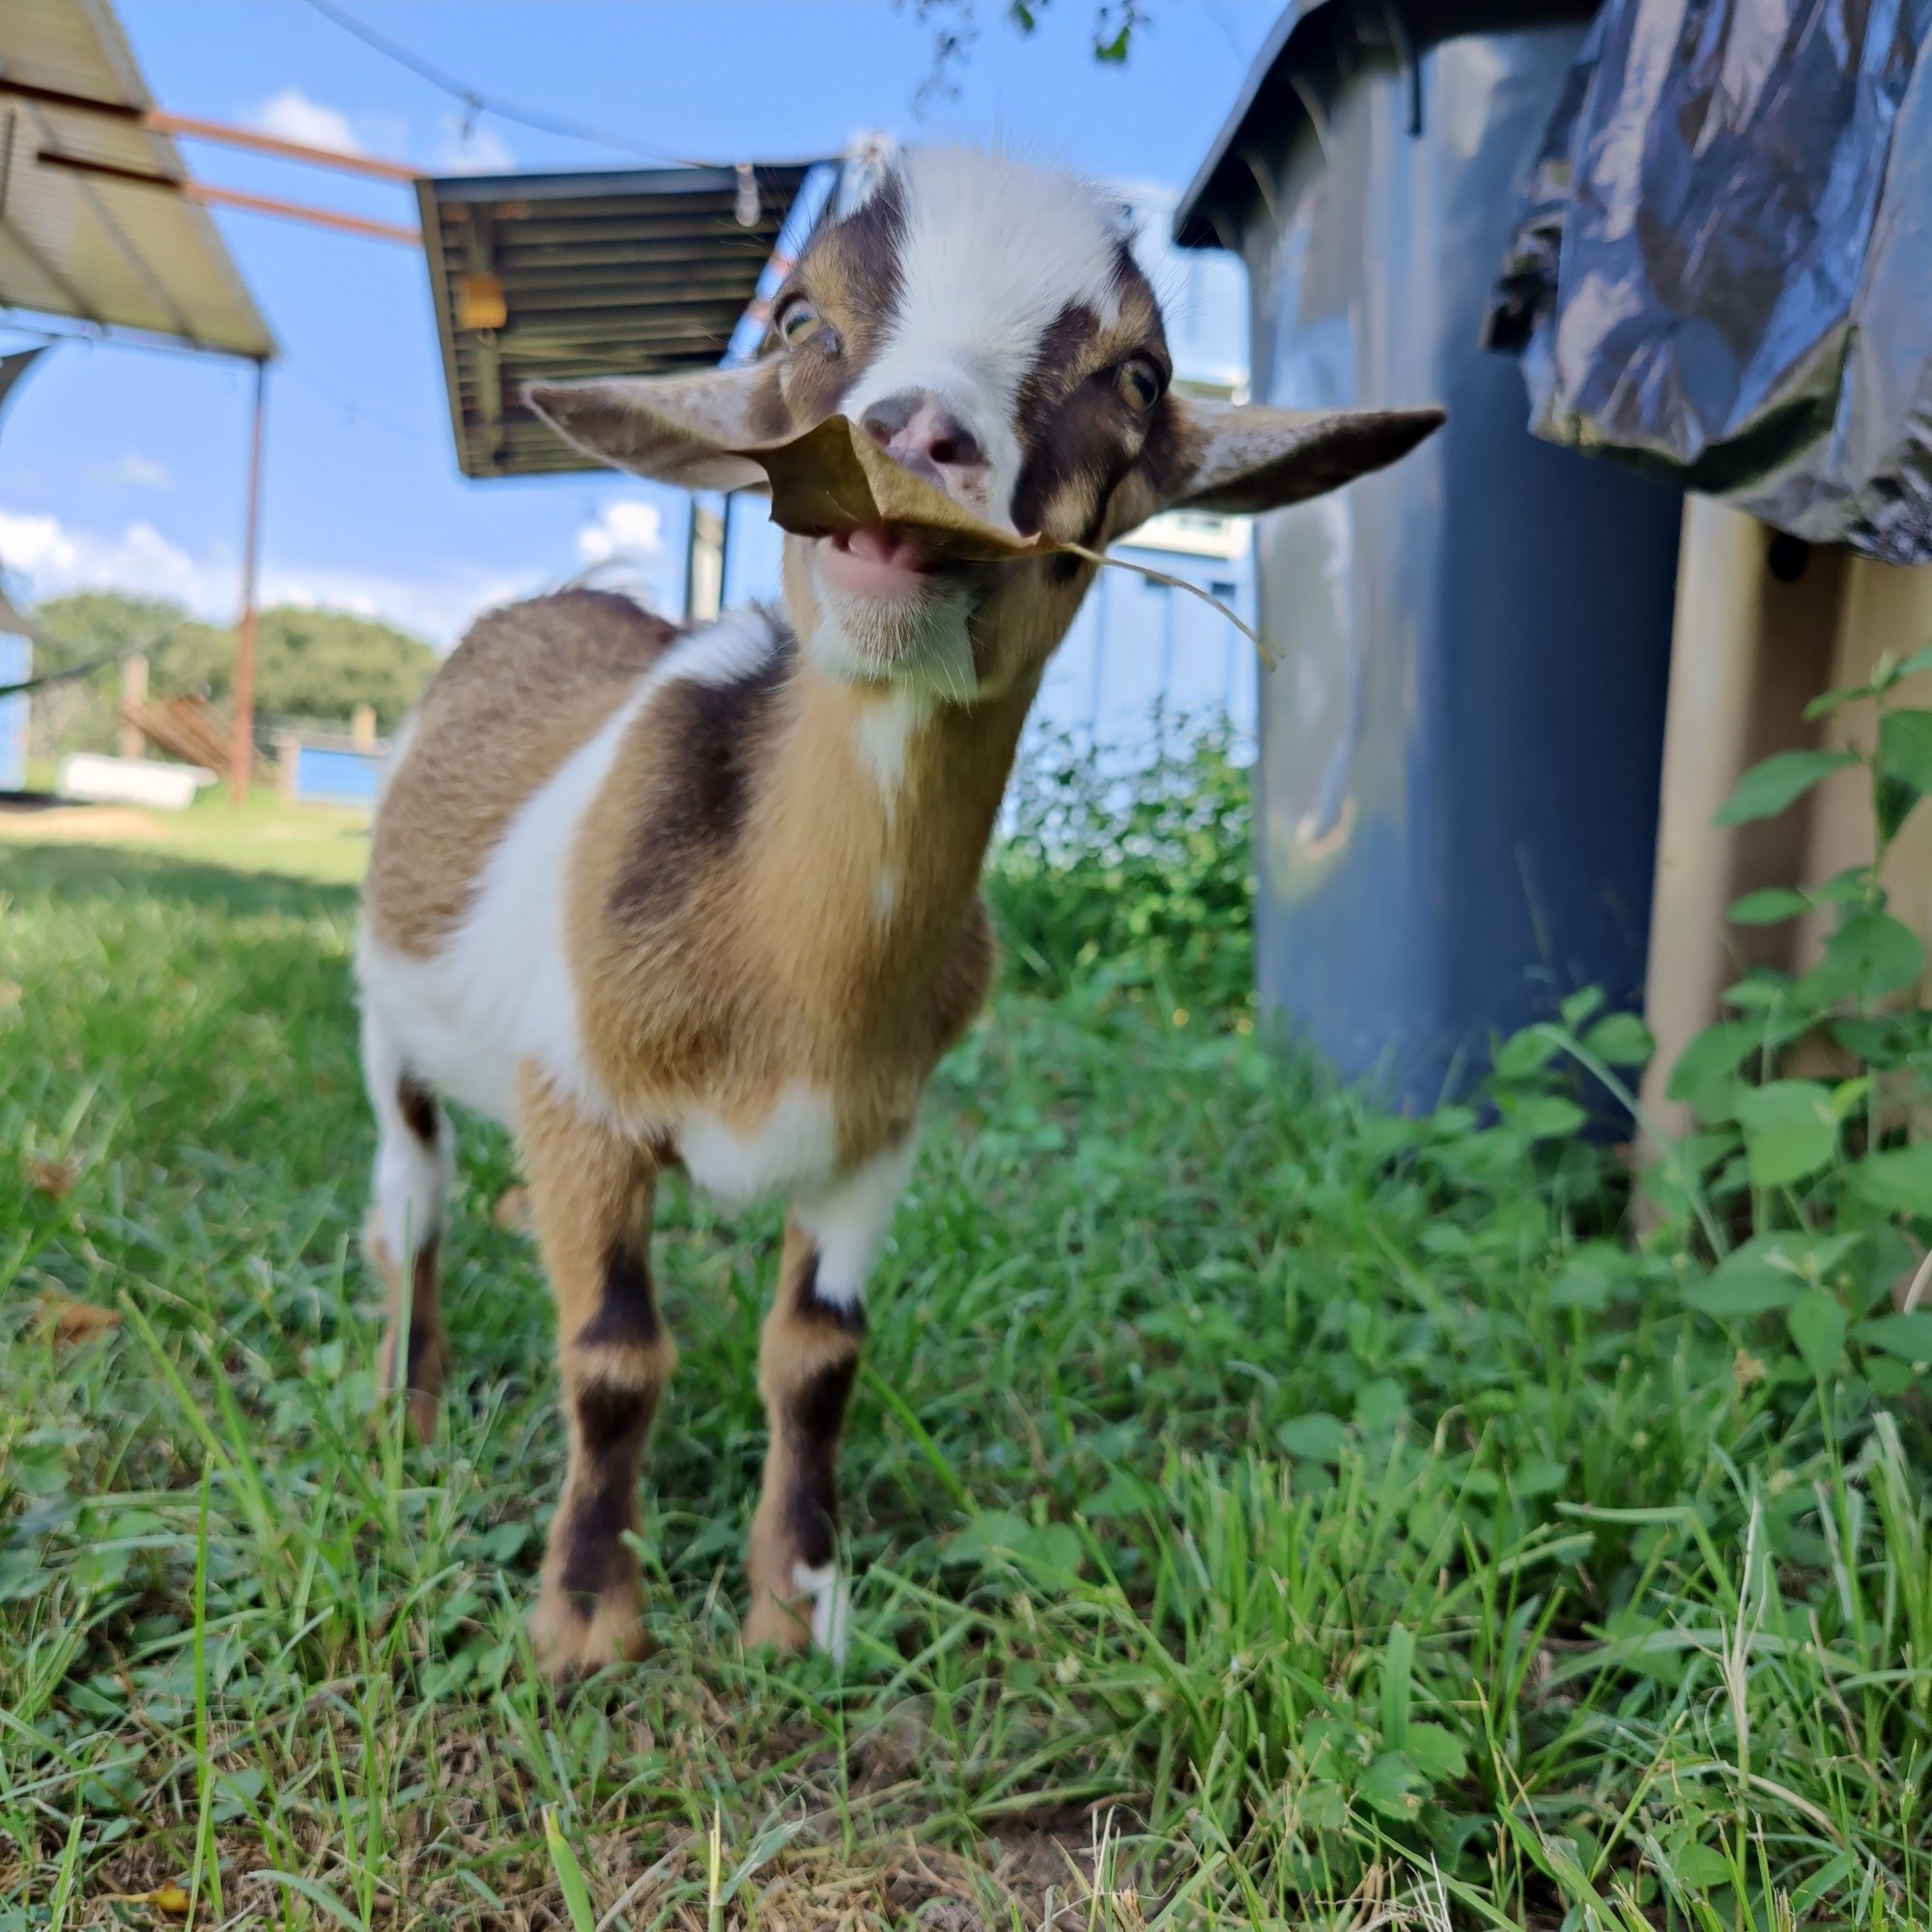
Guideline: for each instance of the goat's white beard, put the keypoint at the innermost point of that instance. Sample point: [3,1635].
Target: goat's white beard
[919,643]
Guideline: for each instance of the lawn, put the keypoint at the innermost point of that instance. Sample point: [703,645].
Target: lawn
[1260,1510]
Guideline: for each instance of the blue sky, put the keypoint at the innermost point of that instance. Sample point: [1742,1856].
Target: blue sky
[125,467]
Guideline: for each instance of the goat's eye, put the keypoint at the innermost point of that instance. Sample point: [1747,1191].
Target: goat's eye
[1138,380]
[796,321]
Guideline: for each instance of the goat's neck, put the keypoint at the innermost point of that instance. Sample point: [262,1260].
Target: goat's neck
[876,820]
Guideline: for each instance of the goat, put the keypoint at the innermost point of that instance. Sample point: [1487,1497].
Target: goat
[710,899]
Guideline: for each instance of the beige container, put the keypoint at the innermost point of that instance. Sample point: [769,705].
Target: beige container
[1763,626]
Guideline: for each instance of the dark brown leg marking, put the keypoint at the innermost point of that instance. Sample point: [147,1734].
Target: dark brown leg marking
[419,1106]
[627,1311]
[426,1342]
[816,1421]
[612,1424]
[807,1361]
[425,1360]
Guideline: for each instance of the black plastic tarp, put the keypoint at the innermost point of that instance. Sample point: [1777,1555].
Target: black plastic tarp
[1723,269]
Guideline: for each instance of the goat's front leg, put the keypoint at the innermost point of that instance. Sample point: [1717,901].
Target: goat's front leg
[807,1359]
[591,1194]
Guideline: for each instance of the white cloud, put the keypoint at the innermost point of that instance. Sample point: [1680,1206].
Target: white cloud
[36,546]
[625,528]
[292,116]
[47,559]
[136,471]
[474,150]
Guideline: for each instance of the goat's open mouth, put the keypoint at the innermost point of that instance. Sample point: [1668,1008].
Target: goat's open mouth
[876,562]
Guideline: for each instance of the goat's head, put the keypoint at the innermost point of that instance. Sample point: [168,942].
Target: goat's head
[985,324]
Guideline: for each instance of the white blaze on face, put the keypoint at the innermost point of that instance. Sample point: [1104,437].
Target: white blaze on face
[994,251]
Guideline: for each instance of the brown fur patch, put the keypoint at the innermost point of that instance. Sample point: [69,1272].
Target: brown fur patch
[851,277]
[711,743]
[527,686]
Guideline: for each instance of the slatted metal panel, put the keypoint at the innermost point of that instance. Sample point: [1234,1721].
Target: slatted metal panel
[637,272]
[102,251]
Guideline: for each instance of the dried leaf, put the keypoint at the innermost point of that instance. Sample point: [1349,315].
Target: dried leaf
[836,478]
[54,1178]
[511,1212]
[75,1322]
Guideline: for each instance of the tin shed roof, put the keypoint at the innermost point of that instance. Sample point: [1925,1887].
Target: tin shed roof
[632,273]
[96,233]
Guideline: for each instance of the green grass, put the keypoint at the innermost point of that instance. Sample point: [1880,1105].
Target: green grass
[313,841]
[1261,1510]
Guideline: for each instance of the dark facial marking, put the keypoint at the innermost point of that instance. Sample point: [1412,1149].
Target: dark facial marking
[809,1306]
[1166,461]
[813,1423]
[627,1313]
[418,1108]
[1080,437]
[707,752]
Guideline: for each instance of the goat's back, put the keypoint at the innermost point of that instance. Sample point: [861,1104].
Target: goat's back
[527,685]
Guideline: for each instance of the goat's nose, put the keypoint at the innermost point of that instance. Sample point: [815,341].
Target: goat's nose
[917,429]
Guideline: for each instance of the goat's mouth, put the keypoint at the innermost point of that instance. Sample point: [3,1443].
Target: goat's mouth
[876,562]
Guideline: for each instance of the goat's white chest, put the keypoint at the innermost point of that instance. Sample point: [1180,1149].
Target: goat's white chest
[791,1149]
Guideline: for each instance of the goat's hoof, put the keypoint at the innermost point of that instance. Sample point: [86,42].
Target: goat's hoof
[423,1408]
[573,1637]
[817,1615]
[786,1629]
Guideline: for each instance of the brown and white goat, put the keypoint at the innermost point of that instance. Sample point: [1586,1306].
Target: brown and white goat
[711,900]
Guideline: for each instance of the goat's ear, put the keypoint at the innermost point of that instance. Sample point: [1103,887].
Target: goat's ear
[686,430]
[1244,458]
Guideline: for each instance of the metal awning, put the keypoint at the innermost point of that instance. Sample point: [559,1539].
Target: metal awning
[88,235]
[630,272]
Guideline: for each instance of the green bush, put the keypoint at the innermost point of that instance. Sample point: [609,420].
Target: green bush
[1141,881]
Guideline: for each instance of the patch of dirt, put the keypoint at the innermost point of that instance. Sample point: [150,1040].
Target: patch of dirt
[110,824]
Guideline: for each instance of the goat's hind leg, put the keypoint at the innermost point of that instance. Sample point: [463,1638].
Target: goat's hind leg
[415,1163]
[591,1196]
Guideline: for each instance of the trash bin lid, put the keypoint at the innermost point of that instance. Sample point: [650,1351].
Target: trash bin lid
[1315,46]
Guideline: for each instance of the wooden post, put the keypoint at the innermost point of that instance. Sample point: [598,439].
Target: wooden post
[1752,647]
[362,727]
[703,563]
[134,694]
[242,754]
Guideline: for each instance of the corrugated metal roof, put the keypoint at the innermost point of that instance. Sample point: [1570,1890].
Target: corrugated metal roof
[87,245]
[606,272]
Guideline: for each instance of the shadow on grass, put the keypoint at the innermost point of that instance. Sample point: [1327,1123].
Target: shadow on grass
[74,874]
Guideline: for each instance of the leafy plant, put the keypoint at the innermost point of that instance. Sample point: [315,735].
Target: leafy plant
[1140,882]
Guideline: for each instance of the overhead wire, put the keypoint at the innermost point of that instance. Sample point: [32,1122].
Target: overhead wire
[478,102]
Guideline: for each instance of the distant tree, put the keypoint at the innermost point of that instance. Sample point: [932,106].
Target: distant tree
[316,665]
[955,27]
[82,714]
[323,664]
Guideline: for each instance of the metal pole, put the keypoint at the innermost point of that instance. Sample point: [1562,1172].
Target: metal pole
[243,753]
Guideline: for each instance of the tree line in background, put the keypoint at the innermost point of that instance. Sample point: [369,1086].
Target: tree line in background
[313,666]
